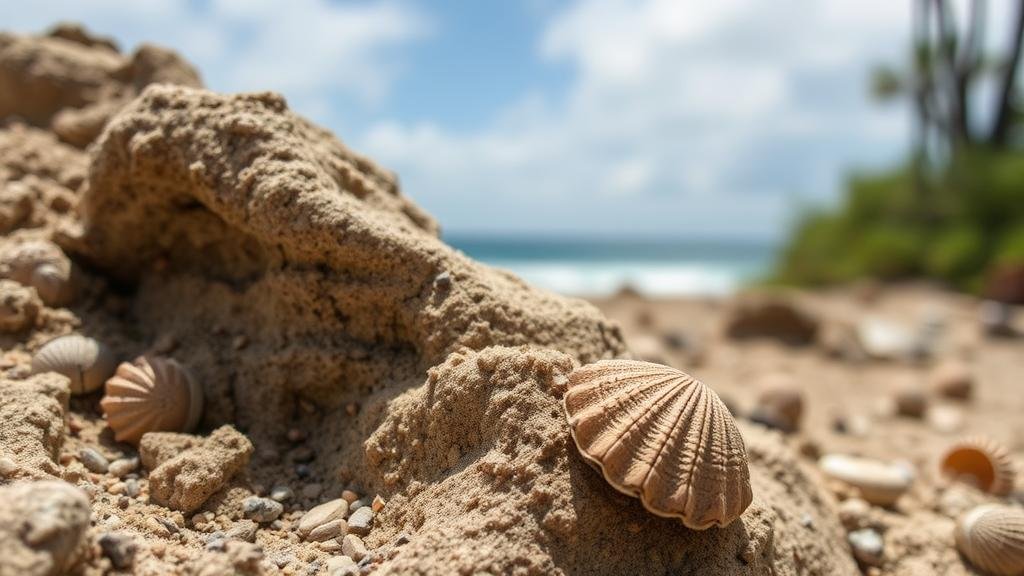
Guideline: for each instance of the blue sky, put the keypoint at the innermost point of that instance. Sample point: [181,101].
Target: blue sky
[543,117]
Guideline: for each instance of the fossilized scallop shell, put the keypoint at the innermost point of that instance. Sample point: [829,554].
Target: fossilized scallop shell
[87,362]
[878,482]
[151,394]
[981,462]
[991,536]
[662,436]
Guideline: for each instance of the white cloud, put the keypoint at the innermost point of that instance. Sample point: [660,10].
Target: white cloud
[313,51]
[681,116]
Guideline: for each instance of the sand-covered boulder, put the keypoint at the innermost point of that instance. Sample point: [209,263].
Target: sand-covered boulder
[73,82]
[259,225]
[32,425]
[302,288]
[42,527]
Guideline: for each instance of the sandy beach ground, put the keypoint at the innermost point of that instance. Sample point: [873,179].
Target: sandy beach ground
[859,391]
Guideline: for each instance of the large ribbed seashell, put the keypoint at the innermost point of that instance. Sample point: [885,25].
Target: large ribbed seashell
[85,361]
[991,536]
[151,394]
[880,483]
[662,436]
[981,462]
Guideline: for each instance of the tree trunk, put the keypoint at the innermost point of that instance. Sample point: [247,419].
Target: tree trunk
[1004,109]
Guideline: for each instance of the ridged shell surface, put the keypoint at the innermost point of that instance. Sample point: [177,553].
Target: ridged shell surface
[151,394]
[662,436]
[85,361]
[980,461]
[991,536]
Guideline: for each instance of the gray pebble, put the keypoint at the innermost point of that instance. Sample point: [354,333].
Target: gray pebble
[303,471]
[357,504]
[341,566]
[312,491]
[132,488]
[281,493]
[93,461]
[303,454]
[243,530]
[119,548]
[403,539]
[171,527]
[327,530]
[123,466]
[360,521]
[867,546]
[261,509]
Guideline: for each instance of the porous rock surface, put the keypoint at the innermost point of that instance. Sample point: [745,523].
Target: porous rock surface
[42,527]
[187,480]
[234,218]
[32,425]
[72,82]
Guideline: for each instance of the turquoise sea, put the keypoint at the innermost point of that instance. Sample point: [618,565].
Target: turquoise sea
[595,267]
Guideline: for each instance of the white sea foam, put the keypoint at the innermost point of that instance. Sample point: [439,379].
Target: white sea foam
[601,278]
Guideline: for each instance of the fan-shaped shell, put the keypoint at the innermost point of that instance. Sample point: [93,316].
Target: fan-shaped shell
[982,462]
[151,394]
[87,362]
[660,435]
[991,536]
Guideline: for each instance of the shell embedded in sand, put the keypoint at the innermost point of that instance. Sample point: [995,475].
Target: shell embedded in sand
[981,462]
[991,536]
[662,436]
[877,482]
[54,284]
[86,361]
[43,266]
[151,394]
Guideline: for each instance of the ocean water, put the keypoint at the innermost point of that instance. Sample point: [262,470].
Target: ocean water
[582,267]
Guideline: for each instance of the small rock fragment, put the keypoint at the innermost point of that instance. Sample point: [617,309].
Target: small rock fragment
[911,401]
[312,491]
[186,481]
[94,461]
[352,546]
[42,525]
[853,513]
[378,504]
[349,496]
[119,548]
[243,530]
[19,306]
[360,521]
[281,493]
[341,566]
[953,379]
[123,466]
[867,546]
[322,514]
[328,530]
[261,509]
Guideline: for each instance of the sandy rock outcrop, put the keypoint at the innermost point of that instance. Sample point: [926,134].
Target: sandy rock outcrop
[32,425]
[42,527]
[187,480]
[73,82]
[303,287]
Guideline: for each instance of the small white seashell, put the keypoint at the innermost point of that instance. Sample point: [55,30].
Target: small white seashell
[981,462]
[879,483]
[85,361]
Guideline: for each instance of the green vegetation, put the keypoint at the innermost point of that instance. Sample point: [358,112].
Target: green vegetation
[955,210]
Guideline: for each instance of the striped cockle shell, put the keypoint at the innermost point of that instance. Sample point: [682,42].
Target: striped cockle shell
[991,537]
[151,394]
[662,436]
[981,462]
[85,361]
